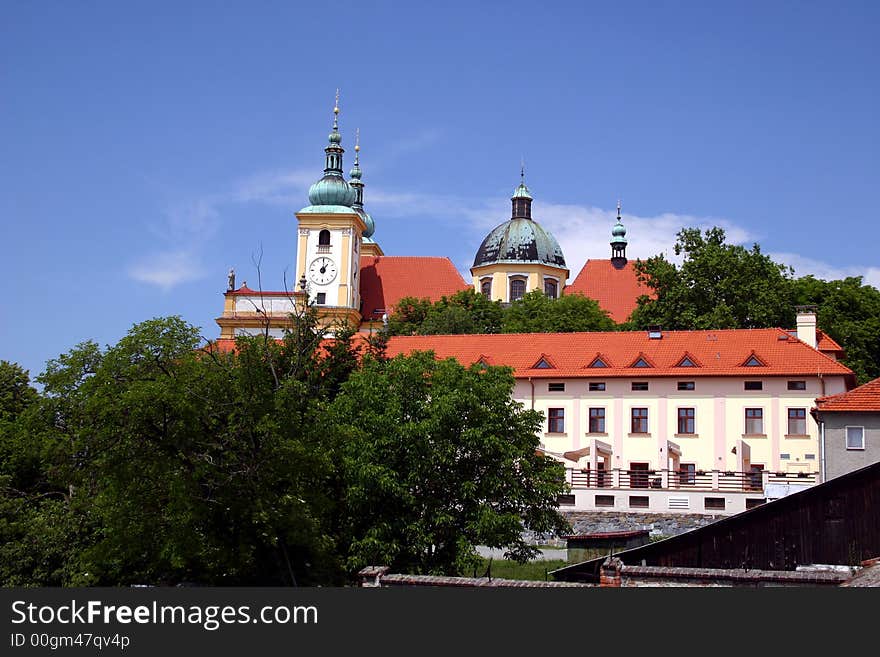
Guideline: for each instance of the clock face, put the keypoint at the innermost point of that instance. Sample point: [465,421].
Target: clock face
[322,271]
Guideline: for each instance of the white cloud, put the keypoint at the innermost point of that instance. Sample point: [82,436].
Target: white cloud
[167,269]
[287,188]
[804,266]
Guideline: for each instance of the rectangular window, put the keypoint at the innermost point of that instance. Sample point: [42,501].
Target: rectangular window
[755,421]
[556,420]
[686,420]
[596,386]
[556,387]
[640,385]
[753,385]
[640,420]
[855,437]
[687,474]
[638,501]
[322,298]
[797,385]
[597,420]
[604,500]
[565,500]
[714,503]
[797,421]
[751,503]
[686,385]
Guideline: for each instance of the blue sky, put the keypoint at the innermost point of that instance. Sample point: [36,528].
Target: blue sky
[149,147]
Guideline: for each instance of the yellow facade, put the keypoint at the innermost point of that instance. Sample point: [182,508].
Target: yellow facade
[501,273]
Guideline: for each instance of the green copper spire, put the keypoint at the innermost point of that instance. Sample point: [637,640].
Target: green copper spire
[618,241]
[358,186]
[332,189]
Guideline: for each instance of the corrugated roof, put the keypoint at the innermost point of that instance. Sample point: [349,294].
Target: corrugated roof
[615,289]
[385,280]
[865,398]
[719,353]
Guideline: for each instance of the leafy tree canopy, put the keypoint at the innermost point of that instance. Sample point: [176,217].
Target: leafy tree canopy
[438,459]
[536,313]
[284,462]
[717,286]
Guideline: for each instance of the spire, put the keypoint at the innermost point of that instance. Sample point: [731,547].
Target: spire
[355,174]
[522,199]
[618,241]
[358,186]
[332,189]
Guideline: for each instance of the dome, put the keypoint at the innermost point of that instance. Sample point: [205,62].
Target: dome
[368,220]
[331,190]
[618,232]
[519,240]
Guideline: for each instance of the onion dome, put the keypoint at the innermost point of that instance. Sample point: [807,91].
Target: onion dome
[520,239]
[332,189]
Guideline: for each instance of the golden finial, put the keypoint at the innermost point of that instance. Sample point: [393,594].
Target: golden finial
[336,104]
[357,145]
[618,208]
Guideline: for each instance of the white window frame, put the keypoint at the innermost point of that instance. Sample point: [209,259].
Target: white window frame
[846,438]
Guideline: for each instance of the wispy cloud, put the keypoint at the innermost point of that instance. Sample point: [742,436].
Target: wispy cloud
[167,269]
[803,266]
[582,231]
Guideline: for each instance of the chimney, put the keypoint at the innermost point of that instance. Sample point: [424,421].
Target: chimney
[806,324]
[609,572]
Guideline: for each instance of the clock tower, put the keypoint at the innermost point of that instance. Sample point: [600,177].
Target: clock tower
[329,241]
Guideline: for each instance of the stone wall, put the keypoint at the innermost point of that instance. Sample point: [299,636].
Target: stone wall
[659,525]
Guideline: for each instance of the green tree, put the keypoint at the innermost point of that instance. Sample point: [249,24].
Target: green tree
[16,392]
[465,311]
[536,313]
[437,459]
[849,312]
[717,286]
[194,465]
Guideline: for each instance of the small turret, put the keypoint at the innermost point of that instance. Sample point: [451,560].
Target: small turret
[618,242]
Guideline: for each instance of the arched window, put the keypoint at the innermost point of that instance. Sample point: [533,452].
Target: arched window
[324,238]
[517,288]
[551,288]
[486,288]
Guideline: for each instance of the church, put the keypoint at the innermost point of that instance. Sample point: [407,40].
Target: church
[341,268]
[713,421]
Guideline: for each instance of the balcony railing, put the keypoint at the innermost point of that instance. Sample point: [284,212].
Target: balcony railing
[701,480]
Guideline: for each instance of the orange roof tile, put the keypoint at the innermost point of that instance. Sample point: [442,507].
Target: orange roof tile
[385,280]
[865,398]
[719,353]
[616,290]
[826,343]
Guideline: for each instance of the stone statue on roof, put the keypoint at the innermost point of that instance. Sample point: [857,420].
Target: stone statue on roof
[230,281]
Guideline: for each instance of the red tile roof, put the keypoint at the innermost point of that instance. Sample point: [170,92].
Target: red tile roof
[385,280]
[616,290]
[720,353]
[827,343]
[865,398]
